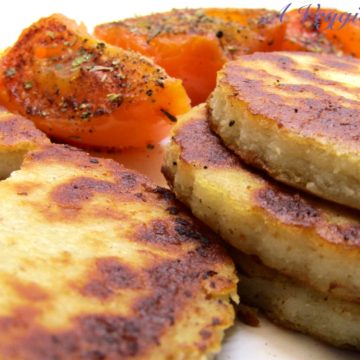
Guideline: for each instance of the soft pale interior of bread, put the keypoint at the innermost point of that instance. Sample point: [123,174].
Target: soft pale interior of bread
[298,307]
[222,198]
[322,169]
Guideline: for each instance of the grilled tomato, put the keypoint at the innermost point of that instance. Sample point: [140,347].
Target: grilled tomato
[193,44]
[82,91]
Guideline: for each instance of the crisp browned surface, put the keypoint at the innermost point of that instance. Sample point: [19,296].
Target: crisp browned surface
[18,132]
[293,209]
[313,95]
[200,147]
[304,237]
[99,263]
[295,115]
[17,136]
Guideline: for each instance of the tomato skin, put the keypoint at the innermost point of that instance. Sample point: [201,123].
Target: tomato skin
[196,43]
[195,60]
[86,92]
[346,38]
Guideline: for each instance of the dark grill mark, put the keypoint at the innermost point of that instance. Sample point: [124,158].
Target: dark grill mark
[289,208]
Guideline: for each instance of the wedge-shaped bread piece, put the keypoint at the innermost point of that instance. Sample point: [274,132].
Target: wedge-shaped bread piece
[296,116]
[98,263]
[300,236]
[289,303]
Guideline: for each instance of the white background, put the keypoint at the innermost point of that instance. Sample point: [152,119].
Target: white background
[16,14]
[242,342]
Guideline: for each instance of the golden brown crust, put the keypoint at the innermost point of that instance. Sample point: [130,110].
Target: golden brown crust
[109,336]
[308,239]
[118,305]
[298,92]
[294,209]
[199,146]
[18,132]
[203,149]
[108,276]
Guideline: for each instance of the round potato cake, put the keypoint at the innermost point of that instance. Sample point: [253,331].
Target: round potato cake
[308,249]
[99,263]
[295,115]
[291,304]
[301,236]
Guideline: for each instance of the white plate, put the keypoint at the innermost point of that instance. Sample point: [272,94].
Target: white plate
[266,342]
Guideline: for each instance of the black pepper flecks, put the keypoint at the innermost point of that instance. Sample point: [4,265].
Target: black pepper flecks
[219,34]
[171,117]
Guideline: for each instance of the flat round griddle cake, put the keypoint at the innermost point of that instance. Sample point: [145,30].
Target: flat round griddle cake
[296,116]
[98,263]
[305,238]
[292,305]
